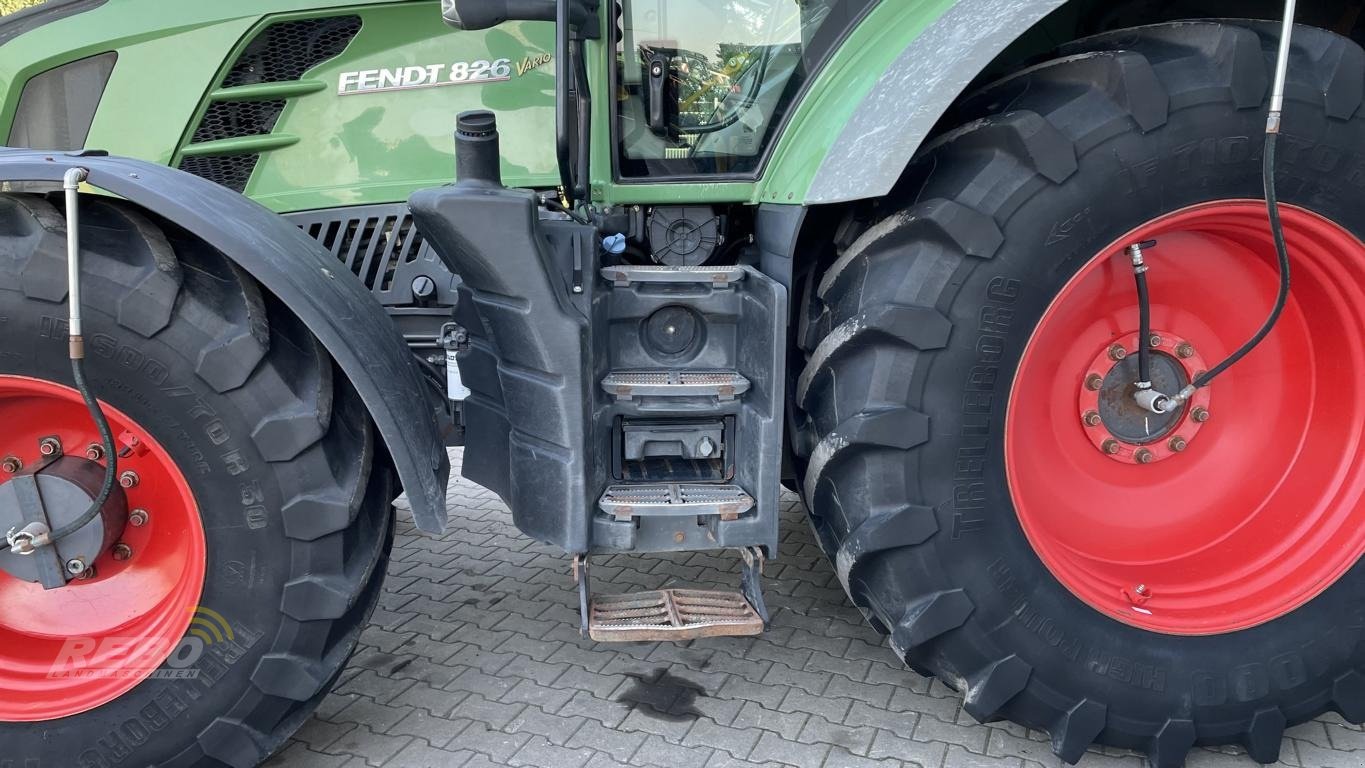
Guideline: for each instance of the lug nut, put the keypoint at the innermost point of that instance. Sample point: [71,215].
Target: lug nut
[1117,352]
[75,566]
[122,551]
[127,479]
[94,452]
[1093,382]
[1200,415]
[1184,350]
[1177,444]
[1143,456]
[1110,446]
[1141,589]
[1154,340]
[11,464]
[137,518]
[1091,419]
[49,446]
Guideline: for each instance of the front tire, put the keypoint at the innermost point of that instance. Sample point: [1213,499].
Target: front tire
[921,472]
[285,503]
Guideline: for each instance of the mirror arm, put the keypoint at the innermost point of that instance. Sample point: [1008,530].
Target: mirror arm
[584,106]
[564,69]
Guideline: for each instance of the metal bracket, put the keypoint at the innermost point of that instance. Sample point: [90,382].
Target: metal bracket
[751,581]
[454,340]
[47,561]
[580,577]
[578,265]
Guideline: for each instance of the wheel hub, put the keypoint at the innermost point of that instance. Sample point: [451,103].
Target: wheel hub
[1215,519]
[131,609]
[1120,412]
[1116,425]
[53,493]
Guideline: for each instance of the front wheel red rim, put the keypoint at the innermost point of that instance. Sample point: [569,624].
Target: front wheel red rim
[1264,508]
[68,650]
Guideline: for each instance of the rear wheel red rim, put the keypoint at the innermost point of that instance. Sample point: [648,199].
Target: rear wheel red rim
[1265,507]
[69,650]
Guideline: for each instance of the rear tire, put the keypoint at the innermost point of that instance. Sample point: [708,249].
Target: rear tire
[277,449]
[913,337]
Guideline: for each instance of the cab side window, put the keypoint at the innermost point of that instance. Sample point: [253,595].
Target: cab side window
[702,85]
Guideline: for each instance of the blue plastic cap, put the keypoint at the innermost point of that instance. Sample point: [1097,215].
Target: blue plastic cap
[614,244]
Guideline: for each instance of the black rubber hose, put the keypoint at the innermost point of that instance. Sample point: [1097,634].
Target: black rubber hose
[1144,327]
[110,467]
[111,457]
[1272,206]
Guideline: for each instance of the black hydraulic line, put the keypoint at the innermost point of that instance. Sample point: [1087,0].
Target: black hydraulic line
[1272,206]
[1161,403]
[76,346]
[1144,329]
[110,467]
[111,456]
[1144,351]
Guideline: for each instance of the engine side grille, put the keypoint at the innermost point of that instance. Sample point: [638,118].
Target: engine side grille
[286,50]
[231,171]
[282,52]
[381,246]
[226,119]
[371,247]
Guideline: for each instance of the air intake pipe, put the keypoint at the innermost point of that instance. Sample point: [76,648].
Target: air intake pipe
[477,159]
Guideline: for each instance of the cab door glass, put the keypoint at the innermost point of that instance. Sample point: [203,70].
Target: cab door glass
[703,84]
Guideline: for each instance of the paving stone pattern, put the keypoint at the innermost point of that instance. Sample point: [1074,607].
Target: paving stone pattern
[473,660]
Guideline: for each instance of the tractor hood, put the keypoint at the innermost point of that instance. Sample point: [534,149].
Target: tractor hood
[299,107]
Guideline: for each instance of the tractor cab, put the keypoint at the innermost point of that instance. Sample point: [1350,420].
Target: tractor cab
[699,89]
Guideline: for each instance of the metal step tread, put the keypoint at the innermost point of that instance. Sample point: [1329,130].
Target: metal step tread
[625,501]
[672,614]
[624,385]
[625,274]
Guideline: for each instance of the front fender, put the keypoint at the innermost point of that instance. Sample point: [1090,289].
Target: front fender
[338,310]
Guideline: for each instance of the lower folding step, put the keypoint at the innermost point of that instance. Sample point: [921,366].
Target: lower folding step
[675,500]
[671,614]
[723,385]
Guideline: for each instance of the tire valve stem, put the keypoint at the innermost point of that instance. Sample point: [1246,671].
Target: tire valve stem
[1138,595]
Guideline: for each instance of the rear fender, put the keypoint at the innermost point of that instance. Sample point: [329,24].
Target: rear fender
[873,143]
[338,310]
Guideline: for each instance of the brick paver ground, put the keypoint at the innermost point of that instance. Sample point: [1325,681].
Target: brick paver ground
[473,659]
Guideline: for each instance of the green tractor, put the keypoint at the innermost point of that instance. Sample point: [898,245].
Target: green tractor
[962,273]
